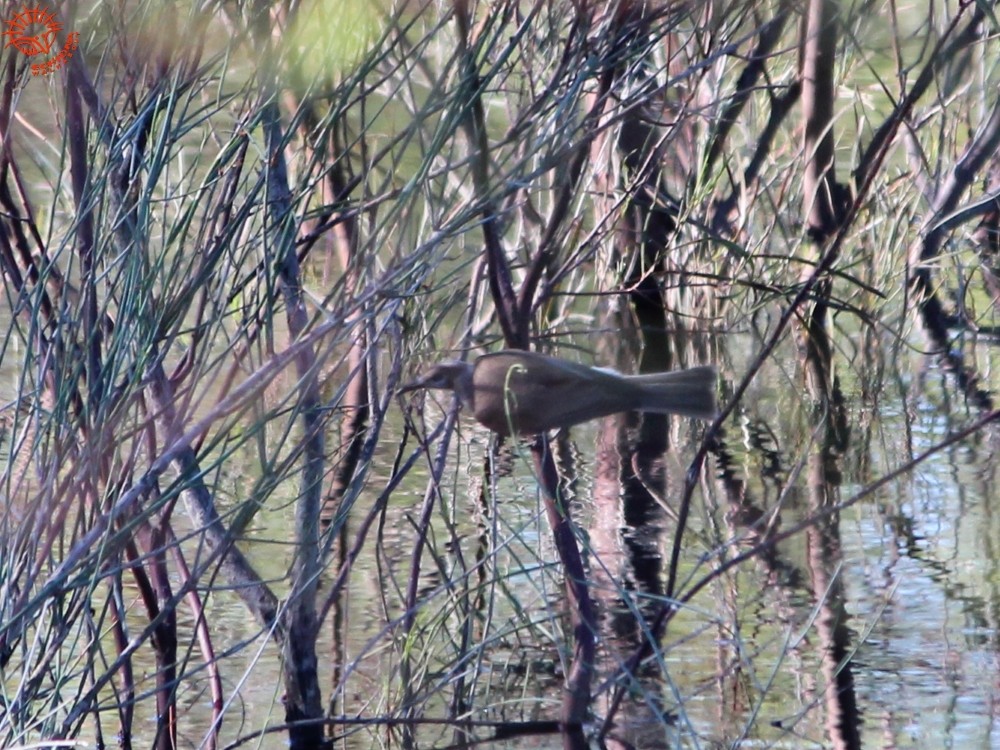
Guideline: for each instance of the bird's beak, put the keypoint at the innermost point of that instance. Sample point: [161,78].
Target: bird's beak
[413,385]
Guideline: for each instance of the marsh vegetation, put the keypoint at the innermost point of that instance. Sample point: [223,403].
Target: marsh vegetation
[230,232]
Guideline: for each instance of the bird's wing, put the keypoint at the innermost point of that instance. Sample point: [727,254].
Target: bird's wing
[543,371]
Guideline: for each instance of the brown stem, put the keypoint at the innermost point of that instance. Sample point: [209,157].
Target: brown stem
[513,325]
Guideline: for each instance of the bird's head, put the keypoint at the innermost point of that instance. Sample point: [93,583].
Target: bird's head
[446,375]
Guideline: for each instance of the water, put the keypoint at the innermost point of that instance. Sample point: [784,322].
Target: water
[893,600]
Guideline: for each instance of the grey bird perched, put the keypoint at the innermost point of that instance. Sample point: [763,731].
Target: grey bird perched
[530,393]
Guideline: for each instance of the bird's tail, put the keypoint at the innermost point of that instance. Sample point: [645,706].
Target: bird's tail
[690,393]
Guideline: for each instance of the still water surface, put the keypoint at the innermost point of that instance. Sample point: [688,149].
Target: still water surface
[877,627]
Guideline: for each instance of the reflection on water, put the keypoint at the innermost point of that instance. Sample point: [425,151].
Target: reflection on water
[875,626]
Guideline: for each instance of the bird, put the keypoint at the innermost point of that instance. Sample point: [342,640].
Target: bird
[525,393]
